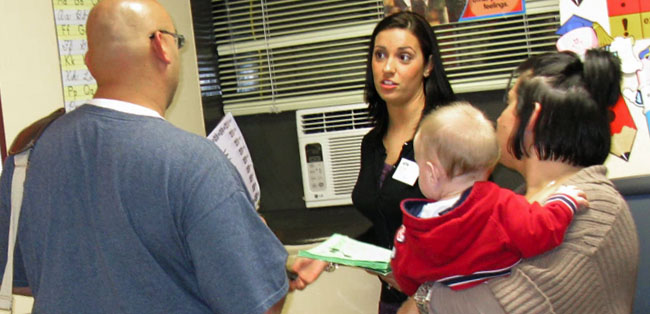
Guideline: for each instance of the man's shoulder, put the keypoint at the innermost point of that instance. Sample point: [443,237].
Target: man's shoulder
[27,138]
[149,137]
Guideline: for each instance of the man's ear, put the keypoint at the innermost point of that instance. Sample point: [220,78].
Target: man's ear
[87,59]
[160,50]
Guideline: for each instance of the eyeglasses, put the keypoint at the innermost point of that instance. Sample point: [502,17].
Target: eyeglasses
[180,39]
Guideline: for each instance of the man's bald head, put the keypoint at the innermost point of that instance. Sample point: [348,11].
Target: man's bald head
[122,56]
[123,26]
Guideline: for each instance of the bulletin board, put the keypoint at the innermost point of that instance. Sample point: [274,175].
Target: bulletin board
[622,27]
[70,19]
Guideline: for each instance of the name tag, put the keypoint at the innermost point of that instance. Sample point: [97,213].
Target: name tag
[407,172]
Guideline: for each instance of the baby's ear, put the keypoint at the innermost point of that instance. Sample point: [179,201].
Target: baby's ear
[435,171]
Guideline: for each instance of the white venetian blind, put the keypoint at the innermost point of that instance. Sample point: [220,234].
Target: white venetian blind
[480,55]
[277,55]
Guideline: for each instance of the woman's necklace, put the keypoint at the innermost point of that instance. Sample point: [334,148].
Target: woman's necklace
[556,178]
[545,191]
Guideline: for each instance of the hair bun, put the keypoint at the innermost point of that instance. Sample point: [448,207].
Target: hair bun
[602,76]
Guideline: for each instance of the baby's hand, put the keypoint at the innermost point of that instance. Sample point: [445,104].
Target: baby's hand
[578,195]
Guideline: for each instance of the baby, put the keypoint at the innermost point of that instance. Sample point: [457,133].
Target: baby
[470,230]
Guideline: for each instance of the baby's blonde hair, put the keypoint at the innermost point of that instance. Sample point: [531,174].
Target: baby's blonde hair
[461,137]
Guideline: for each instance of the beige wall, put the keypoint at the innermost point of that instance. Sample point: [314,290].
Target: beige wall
[187,111]
[30,77]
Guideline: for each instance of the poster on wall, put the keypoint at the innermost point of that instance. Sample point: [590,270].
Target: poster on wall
[70,19]
[622,27]
[449,11]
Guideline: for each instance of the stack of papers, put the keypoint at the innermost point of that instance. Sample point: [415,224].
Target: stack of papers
[342,250]
[228,137]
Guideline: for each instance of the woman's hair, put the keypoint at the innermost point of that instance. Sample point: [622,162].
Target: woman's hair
[575,98]
[460,137]
[436,86]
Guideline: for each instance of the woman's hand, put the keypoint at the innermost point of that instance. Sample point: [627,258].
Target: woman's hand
[390,279]
[308,270]
[408,307]
[578,195]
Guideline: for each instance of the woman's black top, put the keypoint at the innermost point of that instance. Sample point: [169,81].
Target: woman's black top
[380,203]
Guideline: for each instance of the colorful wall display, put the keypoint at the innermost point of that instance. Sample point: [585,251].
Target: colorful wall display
[622,27]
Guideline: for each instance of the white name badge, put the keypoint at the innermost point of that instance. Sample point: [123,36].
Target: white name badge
[407,172]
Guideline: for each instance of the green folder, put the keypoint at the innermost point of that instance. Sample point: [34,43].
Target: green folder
[343,250]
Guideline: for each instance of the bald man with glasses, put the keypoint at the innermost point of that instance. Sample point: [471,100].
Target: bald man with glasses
[125,213]
[180,39]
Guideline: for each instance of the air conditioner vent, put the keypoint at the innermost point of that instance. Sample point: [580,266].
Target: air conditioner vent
[329,140]
[335,121]
[345,153]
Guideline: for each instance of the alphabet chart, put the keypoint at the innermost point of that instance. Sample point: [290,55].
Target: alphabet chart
[70,19]
[228,137]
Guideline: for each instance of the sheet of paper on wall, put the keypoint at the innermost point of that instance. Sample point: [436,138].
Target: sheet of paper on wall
[228,137]
[70,19]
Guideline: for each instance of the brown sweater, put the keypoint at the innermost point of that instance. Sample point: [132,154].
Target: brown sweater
[593,271]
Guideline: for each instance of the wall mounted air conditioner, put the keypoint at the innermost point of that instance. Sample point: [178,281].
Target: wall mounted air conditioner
[329,141]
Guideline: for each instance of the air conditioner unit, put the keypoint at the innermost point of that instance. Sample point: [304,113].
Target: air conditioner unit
[329,141]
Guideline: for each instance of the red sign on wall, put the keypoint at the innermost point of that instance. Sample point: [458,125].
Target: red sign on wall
[442,11]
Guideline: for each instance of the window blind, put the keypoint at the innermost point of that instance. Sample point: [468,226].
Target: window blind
[207,60]
[287,54]
[480,55]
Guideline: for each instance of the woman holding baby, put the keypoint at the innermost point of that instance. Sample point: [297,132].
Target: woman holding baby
[555,131]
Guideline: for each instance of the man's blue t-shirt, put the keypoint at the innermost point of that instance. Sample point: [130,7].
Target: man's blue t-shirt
[128,214]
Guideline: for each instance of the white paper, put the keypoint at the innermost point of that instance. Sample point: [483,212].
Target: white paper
[228,137]
[343,247]
[407,172]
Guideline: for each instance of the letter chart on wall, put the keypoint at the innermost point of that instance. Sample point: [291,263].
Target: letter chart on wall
[70,19]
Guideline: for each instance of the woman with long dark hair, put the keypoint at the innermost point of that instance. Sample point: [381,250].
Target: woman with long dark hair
[405,79]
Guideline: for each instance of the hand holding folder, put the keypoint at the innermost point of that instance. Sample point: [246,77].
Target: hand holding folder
[343,250]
